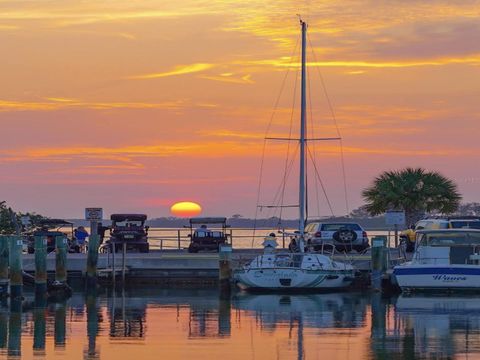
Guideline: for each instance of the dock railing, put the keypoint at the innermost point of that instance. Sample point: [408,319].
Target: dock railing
[178,239]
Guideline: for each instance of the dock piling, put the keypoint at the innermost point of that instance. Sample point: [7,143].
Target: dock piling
[61,259]
[224,267]
[40,267]
[4,244]
[92,257]
[15,260]
[60,324]
[379,252]
[39,330]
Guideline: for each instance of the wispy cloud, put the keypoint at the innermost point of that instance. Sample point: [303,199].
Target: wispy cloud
[281,62]
[178,70]
[229,78]
[57,103]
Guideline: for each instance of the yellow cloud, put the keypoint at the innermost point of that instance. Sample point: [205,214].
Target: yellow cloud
[64,103]
[246,79]
[178,70]
[472,60]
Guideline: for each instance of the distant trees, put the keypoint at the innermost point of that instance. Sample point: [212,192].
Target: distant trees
[414,190]
[9,220]
[468,209]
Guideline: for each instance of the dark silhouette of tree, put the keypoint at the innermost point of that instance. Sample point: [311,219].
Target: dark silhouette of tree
[416,191]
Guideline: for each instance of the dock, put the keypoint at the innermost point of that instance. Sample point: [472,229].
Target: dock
[179,266]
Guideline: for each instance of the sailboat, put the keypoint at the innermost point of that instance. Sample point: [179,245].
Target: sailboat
[300,270]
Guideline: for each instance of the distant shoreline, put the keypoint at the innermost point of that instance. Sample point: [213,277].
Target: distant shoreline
[246,223]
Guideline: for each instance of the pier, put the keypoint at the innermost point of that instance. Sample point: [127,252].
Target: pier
[179,266]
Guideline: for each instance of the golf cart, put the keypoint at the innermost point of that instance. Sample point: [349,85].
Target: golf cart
[203,238]
[50,228]
[128,229]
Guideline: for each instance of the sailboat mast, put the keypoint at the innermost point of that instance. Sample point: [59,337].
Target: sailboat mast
[303,125]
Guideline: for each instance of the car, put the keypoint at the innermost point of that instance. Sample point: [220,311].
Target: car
[128,229]
[344,236]
[204,238]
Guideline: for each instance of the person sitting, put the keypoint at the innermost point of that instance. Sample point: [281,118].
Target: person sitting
[81,236]
[202,231]
[293,246]
[270,243]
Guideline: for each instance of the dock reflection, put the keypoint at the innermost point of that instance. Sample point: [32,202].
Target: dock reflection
[298,326]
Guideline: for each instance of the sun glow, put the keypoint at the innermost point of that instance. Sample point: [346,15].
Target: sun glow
[186,209]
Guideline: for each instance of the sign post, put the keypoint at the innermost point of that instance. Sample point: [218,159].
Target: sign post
[94,215]
[395,218]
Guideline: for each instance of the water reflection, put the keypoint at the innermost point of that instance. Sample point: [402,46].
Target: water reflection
[178,324]
[440,326]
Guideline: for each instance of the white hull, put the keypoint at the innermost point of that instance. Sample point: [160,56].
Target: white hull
[439,277]
[288,278]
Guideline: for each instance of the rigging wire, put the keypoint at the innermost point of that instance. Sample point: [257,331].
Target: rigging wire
[313,137]
[292,113]
[277,101]
[321,183]
[336,125]
[276,200]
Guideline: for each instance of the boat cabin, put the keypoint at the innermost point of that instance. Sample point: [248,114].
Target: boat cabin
[452,246]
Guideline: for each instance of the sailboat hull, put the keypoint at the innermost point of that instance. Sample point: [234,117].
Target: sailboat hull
[292,279]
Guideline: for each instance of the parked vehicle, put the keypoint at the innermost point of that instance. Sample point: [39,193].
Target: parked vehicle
[443,260]
[128,229]
[207,233]
[344,236]
[438,223]
[50,228]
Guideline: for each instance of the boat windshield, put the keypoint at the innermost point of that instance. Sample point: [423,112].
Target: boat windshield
[459,224]
[463,238]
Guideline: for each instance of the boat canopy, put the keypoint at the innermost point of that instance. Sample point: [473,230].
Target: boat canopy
[128,217]
[208,220]
[448,238]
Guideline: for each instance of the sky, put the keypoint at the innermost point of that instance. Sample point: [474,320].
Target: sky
[135,105]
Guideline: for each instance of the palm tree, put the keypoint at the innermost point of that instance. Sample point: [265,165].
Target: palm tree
[416,191]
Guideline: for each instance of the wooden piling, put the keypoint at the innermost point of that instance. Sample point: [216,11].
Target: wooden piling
[15,260]
[378,262]
[92,257]
[15,328]
[40,266]
[61,259]
[4,316]
[92,323]
[4,245]
[60,324]
[224,267]
[39,331]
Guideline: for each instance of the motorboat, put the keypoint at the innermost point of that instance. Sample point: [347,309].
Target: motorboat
[443,260]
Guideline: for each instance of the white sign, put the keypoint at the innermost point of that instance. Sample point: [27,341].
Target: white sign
[94,214]
[395,217]
[25,220]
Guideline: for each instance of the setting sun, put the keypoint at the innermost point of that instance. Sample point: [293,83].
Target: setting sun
[185,209]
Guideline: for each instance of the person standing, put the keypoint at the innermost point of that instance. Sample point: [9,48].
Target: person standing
[81,236]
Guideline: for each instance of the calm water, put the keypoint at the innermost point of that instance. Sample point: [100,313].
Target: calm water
[199,324]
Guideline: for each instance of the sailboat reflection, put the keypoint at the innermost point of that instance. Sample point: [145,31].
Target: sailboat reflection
[441,326]
[317,311]
[341,310]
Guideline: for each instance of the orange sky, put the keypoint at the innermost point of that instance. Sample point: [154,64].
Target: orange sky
[136,105]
